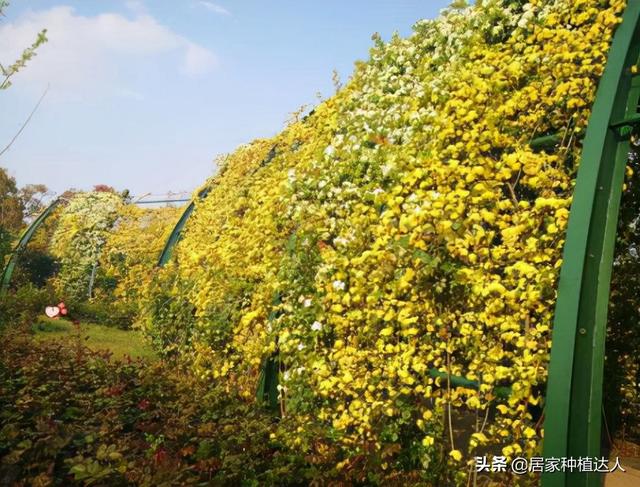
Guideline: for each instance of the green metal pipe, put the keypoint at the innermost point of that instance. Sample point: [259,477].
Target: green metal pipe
[267,391]
[624,128]
[176,233]
[459,381]
[574,387]
[26,236]
[545,141]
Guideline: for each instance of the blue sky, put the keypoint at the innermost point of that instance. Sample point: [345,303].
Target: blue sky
[144,95]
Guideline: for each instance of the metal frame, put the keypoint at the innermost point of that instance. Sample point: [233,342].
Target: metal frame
[573,410]
[176,233]
[574,389]
[26,236]
[267,389]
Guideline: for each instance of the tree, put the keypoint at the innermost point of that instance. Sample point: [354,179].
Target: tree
[10,203]
[9,71]
[103,188]
[10,213]
[32,197]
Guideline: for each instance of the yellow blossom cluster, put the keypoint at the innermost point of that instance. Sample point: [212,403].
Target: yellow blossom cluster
[81,229]
[403,233]
[107,249]
[130,252]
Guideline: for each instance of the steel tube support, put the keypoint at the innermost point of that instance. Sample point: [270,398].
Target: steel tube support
[22,244]
[574,388]
[176,233]
[173,239]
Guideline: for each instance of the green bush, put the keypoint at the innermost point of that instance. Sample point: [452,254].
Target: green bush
[24,304]
[115,314]
[34,267]
[72,417]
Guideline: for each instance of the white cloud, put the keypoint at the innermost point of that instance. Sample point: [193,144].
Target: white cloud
[214,7]
[88,53]
[197,60]
[136,6]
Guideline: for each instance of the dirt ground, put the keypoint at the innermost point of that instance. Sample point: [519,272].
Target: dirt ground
[629,454]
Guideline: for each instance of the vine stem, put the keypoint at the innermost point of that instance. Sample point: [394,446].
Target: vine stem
[453,447]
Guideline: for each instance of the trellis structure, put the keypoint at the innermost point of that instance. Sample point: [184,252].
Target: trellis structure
[176,233]
[573,404]
[26,236]
[573,410]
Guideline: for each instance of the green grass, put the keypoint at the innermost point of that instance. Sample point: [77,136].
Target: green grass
[121,343]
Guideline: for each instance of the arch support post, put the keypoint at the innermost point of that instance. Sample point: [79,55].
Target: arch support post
[176,233]
[22,244]
[573,410]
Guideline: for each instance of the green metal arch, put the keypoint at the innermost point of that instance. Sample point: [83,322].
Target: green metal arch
[574,388]
[26,236]
[176,233]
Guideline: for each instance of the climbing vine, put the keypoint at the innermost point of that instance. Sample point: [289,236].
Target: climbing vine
[81,232]
[403,233]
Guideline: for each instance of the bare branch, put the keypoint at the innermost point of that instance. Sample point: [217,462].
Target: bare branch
[25,122]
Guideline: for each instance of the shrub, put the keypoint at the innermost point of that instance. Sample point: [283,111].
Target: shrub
[24,304]
[72,417]
[120,315]
[35,267]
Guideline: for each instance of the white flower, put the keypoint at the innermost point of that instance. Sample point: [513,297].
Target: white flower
[307,303]
[316,326]
[301,346]
[329,151]
[339,285]
[340,241]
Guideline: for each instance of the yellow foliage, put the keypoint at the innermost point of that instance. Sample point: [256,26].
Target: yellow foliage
[405,225]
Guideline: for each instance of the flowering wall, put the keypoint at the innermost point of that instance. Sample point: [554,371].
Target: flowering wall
[98,234]
[130,254]
[81,231]
[405,225]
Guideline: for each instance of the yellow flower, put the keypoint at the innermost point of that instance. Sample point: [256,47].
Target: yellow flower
[456,455]
[428,441]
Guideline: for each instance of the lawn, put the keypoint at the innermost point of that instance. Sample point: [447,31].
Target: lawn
[121,343]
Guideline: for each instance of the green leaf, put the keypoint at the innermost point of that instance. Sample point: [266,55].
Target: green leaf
[404,241]
[423,256]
